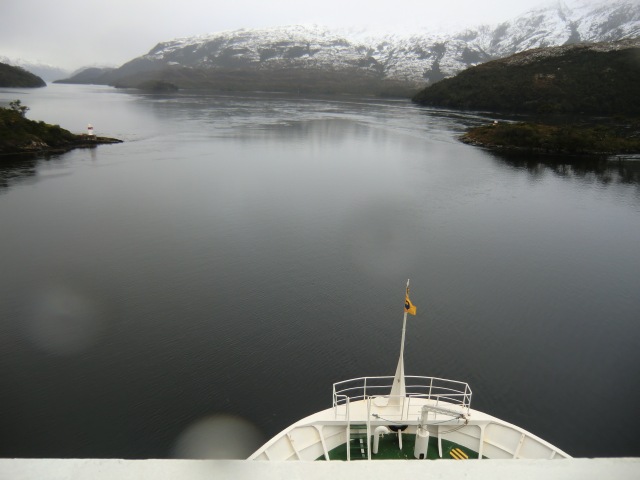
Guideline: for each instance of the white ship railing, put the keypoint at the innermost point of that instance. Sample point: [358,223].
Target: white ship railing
[440,391]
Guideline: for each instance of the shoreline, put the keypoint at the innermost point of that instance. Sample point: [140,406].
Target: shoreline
[83,141]
[20,135]
[599,140]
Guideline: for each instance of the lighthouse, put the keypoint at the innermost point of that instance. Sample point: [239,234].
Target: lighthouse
[90,130]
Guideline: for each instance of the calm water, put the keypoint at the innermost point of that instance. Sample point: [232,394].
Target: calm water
[238,254]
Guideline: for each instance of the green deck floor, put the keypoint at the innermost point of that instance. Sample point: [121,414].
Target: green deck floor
[389,449]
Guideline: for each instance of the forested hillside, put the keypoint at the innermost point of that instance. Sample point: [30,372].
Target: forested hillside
[16,77]
[586,78]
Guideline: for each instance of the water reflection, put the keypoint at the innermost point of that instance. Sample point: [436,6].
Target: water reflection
[13,169]
[605,171]
[17,168]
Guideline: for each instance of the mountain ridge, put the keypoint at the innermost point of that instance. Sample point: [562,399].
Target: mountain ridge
[12,77]
[42,70]
[304,58]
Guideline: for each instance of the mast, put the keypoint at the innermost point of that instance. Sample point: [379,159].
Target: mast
[398,388]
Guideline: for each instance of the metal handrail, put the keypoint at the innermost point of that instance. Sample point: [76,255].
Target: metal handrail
[339,400]
[451,391]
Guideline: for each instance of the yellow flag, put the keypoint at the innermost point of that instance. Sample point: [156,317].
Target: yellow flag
[408,306]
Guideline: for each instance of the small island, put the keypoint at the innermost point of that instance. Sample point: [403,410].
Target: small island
[613,138]
[19,135]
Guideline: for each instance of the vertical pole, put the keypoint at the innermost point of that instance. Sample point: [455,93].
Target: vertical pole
[348,431]
[398,388]
[404,332]
[368,428]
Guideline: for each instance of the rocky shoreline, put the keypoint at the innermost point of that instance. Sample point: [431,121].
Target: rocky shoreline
[81,141]
[592,140]
[20,135]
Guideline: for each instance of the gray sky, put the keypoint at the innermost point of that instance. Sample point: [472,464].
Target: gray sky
[76,33]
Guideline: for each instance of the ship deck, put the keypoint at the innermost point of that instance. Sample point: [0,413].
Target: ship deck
[360,416]
[389,449]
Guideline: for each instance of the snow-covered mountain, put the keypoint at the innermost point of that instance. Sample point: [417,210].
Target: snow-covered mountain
[554,24]
[302,56]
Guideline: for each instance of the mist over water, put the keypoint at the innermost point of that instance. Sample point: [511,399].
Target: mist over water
[240,253]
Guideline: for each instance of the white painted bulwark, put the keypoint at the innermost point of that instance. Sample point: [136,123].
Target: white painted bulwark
[110,469]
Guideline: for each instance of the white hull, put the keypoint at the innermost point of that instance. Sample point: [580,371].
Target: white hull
[315,436]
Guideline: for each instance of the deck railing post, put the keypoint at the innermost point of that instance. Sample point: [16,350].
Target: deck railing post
[405,413]
[348,432]
[368,428]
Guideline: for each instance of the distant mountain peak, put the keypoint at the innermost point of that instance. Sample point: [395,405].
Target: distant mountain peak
[317,58]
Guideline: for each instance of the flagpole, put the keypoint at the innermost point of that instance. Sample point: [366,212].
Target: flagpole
[404,329]
[398,388]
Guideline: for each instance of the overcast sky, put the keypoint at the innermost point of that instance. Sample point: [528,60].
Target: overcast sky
[75,33]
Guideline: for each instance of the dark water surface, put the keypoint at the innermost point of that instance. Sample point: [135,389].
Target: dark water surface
[238,254]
